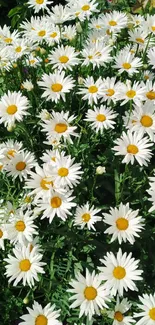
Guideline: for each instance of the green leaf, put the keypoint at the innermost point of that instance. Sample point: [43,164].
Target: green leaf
[14,11]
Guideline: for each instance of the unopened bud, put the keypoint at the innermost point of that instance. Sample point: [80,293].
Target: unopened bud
[26,300]
[100,170]
[10,128]
[78,27]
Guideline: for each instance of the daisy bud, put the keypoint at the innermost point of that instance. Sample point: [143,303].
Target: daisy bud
[78,27]
[10,128]
[100,170]
[145,66]
[42,50]
[80,80]
[26,300]
[45,115]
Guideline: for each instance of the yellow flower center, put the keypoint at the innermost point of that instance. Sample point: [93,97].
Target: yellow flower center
[56,202]
[140,40]
[146,77]
[151,95]
[18,49]
[45,184]
[42,33]
[108,32]
[8,40]
[12,109]
[101,117]
[53,35]
[92,89]
[126,65]
[86,217]
[131,93]
[41,320]
[60,128]
[20,165]
[11,153]
[85,7]
[153,28]
[122,223]
[32,61]
[119,272]
[56,87]
[98,26]
[20,225]
[1,233]
[152,313]
[110,92]
[131,148]
[118,316]
[63,172]
[27,199]
[63,59]
[25,265]
[146,121]
[132,51]
[39,2]
[90,293]
[112,23]
[1,166]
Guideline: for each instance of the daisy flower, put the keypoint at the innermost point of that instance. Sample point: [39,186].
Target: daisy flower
[124,223]
[135,92]
[3,236]
[147,75]
[52,155]
[142,120]
[20,165]
[115,21]
[28,85]
[57,204]
[120,272]
[19,48]
[54,35]
[9,149]
[33,61]
[56,85]
[150,91]
[96,23]
[147,306]
[86,216]
[64,57]
[58,127]
[151,192]
[88,293]
[98,54]
[13,106]
[24,265]
[110,89]
[136,20]
[40,182]
[65,172]
[133,147]
[41,316]
[60,14]
[92,90]
[120,309]
[139,36]
[150,23]
[21,227]
[69,32]
[125,61]
[151,56]
[101,118]
[37,5]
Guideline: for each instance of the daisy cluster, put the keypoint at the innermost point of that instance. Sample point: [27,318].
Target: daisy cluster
[78,80]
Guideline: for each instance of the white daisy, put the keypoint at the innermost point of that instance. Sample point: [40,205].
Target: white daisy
[101,118]
[126,61]
[21,227]
[150,91]
[13,106]
[151,192]
[41,316]
[120,309]
[133,147]
[57,204]
[37,5]
[147,306]
[120,272]
[110,89]
[98,54]
[69,32]
[139,36]
[86,216]
[58,127]
[9,149]
[124,223]
[28,85]
[56,85]
[24,265]
[92,90]
[65,172]
[60,14]
[115,20]
[21,164]
[128,92]
[142,120]
[147,75]
[88,293]
[150,23]
[64,57]
[3,236]
[52,155]
[151,56]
